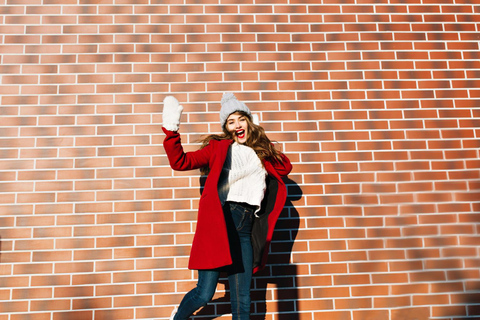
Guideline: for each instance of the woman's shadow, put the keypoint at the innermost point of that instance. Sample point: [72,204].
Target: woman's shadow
[279,272]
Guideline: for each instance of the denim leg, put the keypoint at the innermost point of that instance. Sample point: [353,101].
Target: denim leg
[240,283]
[200,295]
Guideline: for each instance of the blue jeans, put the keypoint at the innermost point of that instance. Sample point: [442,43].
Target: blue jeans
[239,226]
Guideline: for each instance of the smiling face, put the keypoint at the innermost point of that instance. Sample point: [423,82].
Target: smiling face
[237,125]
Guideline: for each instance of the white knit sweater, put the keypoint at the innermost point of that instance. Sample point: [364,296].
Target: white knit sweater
[243,176]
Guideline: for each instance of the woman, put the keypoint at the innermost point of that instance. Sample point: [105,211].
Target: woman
[239,206]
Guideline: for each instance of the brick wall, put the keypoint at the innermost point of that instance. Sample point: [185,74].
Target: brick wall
[375,102]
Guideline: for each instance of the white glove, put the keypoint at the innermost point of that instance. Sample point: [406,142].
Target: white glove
[172,111]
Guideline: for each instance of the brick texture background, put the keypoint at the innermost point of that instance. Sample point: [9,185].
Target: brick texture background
[375,102]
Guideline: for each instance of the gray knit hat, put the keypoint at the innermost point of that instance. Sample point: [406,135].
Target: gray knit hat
[230,104]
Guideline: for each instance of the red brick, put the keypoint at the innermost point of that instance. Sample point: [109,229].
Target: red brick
[384,233]
[52,305]
[408,313]
[349,256]
[401,289]
[39,316]
[117,289]
[351,279]
[353,303]
[370,314]
[74,315]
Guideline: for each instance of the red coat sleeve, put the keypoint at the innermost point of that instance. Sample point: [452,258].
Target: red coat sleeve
[283,167]
[181,160]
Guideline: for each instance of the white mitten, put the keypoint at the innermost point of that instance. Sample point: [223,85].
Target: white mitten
[172,111]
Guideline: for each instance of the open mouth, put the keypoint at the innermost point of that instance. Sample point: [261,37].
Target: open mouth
[240,133]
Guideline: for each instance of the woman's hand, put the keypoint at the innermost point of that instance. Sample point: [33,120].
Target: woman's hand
[172,111]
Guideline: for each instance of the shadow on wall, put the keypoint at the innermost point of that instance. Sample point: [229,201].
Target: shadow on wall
[448,263]
[279,272]
[89,309]
[473,304]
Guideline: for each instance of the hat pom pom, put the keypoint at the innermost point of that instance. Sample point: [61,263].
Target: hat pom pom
[228,96]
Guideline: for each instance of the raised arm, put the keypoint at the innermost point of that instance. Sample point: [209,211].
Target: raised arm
[181,160]
[177,157]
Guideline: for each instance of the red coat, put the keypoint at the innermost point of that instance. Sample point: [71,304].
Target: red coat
[210,247]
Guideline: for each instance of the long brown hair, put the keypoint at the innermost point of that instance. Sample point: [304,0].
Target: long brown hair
[256,139]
